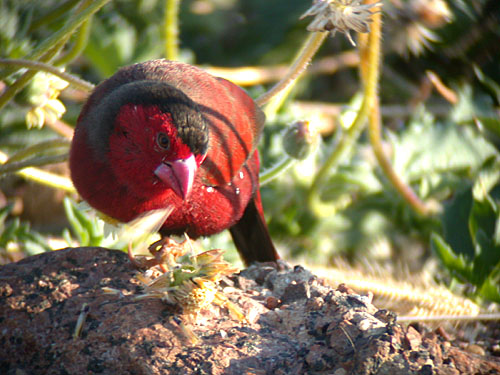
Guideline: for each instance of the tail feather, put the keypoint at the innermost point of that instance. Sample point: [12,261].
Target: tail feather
[251,236]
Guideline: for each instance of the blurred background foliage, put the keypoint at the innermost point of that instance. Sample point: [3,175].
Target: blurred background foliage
[439,93]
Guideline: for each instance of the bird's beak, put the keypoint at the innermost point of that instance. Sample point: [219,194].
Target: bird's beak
[178,175]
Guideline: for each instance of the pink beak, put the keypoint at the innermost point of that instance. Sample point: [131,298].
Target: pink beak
[178,175]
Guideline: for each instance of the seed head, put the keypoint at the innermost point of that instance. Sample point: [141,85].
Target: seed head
[341,15]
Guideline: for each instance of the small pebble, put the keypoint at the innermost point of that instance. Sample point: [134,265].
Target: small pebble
[272,303]
[343,288]
[475,349]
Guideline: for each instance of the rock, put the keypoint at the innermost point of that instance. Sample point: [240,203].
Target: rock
[296,325]
[413,338]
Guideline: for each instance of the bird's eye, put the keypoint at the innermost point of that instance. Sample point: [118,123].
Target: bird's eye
[163,141]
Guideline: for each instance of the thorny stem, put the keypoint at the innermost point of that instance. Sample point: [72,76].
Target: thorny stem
[46,51]
[371,77]
[45,178]
[171,26]
[36,65]
[299,65]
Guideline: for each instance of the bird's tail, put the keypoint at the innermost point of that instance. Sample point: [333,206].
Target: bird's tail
[251,236]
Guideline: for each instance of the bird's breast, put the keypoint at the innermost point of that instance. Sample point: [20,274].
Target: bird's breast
[211,209]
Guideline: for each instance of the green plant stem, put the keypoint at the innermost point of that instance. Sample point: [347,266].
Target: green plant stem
[37,149]
[22,81]
[54,14]
[81,39]
[344,144]
[37,155]
[86,9]
[36,65]
[47,50]
[369,68]
[82,13]
[374,123]
[299,65]
[35,162]
[277,169]
[45,178]
[171,26]
[374,132]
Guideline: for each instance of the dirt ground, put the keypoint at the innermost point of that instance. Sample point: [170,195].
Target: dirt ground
[295,324]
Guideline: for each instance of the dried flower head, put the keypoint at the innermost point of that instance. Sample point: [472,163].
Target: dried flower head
[193,283]
[432,13]
[414,22]
[341,15]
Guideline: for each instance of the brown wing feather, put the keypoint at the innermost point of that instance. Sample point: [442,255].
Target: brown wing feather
[235,127]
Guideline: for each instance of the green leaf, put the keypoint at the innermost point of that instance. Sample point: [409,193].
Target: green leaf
[486,260]
[76,226]
[486,180]
[490,290]
[4,212]
[481,267]
[475,106]
[456,223]
[426,150]
[492,86]
[9,232]
[456,264]
[483,218]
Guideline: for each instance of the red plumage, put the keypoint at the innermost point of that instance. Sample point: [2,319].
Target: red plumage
[165,133]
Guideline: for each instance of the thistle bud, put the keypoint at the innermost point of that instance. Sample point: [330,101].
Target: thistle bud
[35,93]
[41,96]
[300,139]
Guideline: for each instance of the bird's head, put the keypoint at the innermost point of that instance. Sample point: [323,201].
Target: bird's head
[159,138]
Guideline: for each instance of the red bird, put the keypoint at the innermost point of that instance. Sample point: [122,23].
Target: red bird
[163,133]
